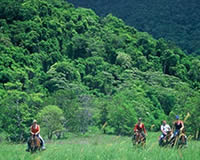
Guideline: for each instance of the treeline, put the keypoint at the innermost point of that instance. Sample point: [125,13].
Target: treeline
[77,72]
[176,21]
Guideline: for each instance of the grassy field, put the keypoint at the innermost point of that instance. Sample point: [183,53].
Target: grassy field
[101,147]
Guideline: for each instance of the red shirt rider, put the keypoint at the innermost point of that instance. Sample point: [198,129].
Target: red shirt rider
[35,128]
[139,127]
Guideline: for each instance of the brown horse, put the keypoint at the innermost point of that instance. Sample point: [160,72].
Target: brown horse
[138,138]
[180,140]
[34,143]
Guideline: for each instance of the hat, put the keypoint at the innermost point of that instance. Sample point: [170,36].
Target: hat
[177,117]
[34,121]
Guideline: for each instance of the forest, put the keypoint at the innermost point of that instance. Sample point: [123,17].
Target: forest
[177,21]
[76,72]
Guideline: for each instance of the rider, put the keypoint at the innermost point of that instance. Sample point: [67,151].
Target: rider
[179,126]
[139,127]
[35,130]
[164,129]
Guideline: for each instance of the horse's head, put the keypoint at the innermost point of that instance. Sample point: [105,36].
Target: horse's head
[137,133]
[168,136]
[169,133]
[32,138]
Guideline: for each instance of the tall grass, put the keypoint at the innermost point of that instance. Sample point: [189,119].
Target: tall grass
[102,147]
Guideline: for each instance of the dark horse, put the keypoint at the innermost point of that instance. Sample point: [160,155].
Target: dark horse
[138,138]
[167,140]
[34,143]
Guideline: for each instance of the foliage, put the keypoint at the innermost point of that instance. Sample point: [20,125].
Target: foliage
[83,71]
[51,119]
[176,21]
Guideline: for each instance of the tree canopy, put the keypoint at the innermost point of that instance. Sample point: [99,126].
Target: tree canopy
[176,21]
[91,71]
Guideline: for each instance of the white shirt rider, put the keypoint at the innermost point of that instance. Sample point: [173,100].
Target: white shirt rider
[165,128]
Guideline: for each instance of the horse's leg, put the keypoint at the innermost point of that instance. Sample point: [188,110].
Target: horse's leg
[136,140]
[35,143]
[172,141]
[142,139]
[32,144]
[39,144]
[183,140]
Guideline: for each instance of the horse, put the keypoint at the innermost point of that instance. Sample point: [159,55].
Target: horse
[138,138]
[180,140]
[34,143]
[167,140]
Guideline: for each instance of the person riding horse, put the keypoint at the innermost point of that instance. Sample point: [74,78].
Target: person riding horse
[139,128]
[179,137]
[179,126]
[165,129]
[35,131]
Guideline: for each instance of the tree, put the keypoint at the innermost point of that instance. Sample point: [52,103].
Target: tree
[124,60]
[195,70]
[60,75]
[169,60]
[15,115]
[51,118]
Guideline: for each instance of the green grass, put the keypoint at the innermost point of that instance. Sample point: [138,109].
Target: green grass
[101,147]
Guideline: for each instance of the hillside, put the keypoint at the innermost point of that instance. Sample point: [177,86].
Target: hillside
[176,20]
[77,72]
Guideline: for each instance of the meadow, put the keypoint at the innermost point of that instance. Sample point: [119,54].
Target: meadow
[101,147]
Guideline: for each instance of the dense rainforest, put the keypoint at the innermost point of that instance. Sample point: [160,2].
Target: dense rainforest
[76,72]
[174,20]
